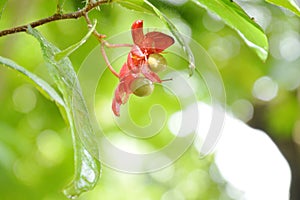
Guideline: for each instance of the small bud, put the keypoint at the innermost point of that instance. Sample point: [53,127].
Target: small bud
[141,87]
[157,62]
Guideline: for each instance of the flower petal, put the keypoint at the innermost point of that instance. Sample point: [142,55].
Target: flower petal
[137,32]
[116,107]
[135,58]
[123,90]
[124,70]
[156,42]
[150,74]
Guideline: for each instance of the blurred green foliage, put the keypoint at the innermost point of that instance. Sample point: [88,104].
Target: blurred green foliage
[36,155]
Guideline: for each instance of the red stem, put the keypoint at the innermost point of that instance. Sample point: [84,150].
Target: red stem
[107,62]
[116,45]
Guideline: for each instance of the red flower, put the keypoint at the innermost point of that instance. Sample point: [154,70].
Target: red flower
[137,75]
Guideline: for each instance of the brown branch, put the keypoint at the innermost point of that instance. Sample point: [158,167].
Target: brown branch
[55,17]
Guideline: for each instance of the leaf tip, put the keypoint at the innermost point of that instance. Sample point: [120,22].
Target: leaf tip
[191,70]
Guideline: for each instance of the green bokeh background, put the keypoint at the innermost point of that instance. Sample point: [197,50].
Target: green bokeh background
[36,155]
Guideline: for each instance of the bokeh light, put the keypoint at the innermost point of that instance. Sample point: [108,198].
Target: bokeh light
[289,46]
[24,98]
[242,109]
[251,163]
[224,48]
[212,22]
[265,89]
[49,139]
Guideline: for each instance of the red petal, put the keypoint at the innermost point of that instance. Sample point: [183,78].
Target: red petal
[116,107]
[119,98]
[149,74]
[137,52]
[156,42]
[118,93]
[124,70]
[122,91]
[137,32]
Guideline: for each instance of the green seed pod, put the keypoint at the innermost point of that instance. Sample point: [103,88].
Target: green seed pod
[157,62]
[141,87]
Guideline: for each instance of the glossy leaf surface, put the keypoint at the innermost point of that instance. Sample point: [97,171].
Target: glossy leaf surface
[87,168]
[235,17]
[40,84]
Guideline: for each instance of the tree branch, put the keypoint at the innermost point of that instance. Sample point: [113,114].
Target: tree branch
[55,17]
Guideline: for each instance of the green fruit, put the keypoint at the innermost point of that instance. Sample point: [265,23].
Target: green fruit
[141,87]
[157,62]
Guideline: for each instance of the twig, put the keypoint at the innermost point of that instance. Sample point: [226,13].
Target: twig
[103,43]
[55,17]
[101,40]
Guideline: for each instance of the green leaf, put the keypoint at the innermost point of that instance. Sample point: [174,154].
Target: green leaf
[288,4]
[87,168]
[87,172]
[2,6]
[137,5]
[40,84]
[74,47]
[147,7]
[235,17]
